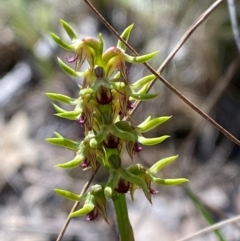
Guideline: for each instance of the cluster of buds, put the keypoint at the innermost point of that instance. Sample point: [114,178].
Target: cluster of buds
[104,101]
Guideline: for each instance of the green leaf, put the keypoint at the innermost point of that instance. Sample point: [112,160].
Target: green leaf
[153,123]
[162,163]
[69,30]
[152,141]
[61,43]
[139,59]
[145,80]
[68,195]
[61,98]
[69,70]
[63,142]
[125,35]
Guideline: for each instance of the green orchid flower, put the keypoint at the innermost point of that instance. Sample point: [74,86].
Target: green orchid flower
[149,176]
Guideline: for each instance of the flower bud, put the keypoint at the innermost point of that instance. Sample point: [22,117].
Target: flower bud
[99,72]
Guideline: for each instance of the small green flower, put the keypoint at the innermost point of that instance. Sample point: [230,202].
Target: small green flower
[94,202]
[149,176]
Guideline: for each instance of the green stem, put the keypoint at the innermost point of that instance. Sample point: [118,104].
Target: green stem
[124,225]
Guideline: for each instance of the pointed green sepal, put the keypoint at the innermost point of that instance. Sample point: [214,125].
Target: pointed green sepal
[169,182]
[151,141]
[125,35]
[69,70]
[58,109]
[139,59]
[87,207]
[57,134]
[161,164]
[146,120]
[101,44]
[63,142]
[100,137]
[125,135]
[61,98]
[73,163]
[145,80]
[68,195]
[61,43]
[86,91]
[133,179]
[153,123]
[69,30]
[70,115]
[143,97]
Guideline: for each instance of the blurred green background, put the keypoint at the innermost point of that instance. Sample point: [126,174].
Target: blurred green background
[206,70]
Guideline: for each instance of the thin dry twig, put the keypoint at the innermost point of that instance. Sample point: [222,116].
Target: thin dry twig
[187,146]
[164,81]
[188,33]
[76,205]
[211,228]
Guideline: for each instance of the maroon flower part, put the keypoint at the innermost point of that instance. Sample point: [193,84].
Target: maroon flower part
[82,119]
[92,215]
[152,191]
[123,186]
[130,105]
[85,163]
[99,72]
[111,141]
[72,59]
[136,147]
[103,95]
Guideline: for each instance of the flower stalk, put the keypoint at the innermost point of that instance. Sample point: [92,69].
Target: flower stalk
[121,210]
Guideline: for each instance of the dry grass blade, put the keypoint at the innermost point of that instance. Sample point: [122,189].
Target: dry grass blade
[211,228]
